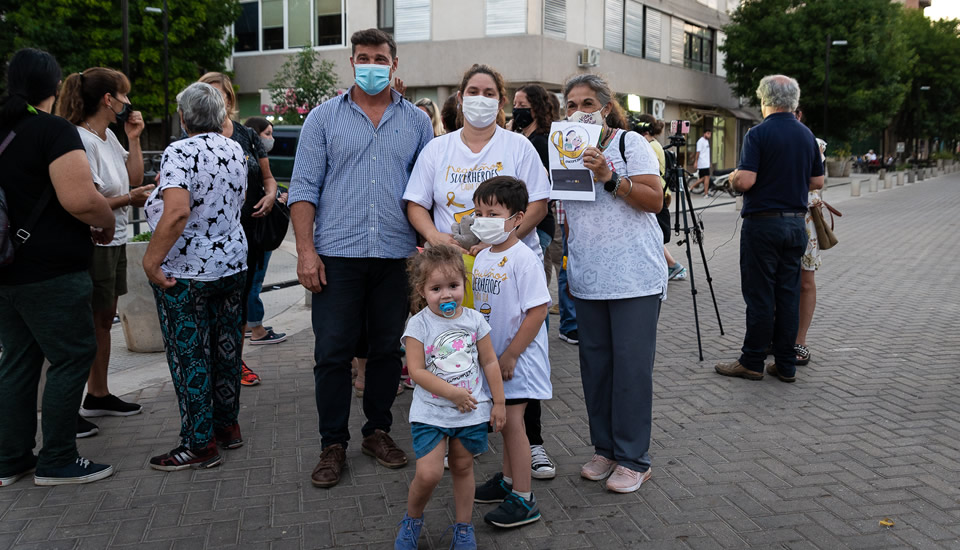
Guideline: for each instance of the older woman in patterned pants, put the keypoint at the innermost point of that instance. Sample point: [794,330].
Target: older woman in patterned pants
[196,263]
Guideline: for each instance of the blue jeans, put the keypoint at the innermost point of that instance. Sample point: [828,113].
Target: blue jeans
[568,312]
[770,253]
[254,303]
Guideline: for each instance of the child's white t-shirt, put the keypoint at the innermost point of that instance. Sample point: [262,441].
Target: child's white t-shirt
[450,350]
[447,173]
[505,286]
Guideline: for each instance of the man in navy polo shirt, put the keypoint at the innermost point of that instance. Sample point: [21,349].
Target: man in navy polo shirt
[779,164]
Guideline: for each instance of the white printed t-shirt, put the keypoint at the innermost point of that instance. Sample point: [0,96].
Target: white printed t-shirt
[450,351]
[447,173]
[703,147]
[614,251]
[108,165]
[505,286]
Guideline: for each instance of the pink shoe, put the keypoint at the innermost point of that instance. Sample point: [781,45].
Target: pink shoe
[625,480]
[598,468]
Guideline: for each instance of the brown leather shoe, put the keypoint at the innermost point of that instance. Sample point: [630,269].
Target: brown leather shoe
[380,446]
[774,370]
[327,472]
[734,368]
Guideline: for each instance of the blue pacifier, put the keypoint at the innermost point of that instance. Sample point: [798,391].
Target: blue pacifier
[448,309]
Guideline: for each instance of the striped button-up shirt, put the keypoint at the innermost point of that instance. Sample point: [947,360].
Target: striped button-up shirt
[355,175]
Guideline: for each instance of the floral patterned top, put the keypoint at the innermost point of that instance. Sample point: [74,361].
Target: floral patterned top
[212,245]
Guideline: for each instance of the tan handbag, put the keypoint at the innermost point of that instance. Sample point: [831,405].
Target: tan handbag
[825,237]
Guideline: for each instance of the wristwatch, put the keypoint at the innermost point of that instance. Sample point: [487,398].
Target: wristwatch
[611,186]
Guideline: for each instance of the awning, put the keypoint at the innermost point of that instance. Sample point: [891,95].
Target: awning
[745,114]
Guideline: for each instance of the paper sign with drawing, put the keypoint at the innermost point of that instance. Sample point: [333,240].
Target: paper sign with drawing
[569,178]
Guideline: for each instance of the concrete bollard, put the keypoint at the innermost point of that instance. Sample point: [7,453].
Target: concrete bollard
[920,174]
[855,188]
[899,178]
[911,176]
[872,184]
[882,174]
[887,180]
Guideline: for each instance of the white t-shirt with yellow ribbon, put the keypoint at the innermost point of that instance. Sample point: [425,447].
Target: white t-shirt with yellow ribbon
[447,173]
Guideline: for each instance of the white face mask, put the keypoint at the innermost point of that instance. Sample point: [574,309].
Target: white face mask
[480,111]
[595,117]
[490,230]
[267,144]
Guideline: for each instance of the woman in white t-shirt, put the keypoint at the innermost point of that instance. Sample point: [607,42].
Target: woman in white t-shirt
[450,167]
[617,276]
[92,100]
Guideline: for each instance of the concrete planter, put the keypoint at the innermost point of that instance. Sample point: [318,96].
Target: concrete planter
[138,308]
[835,168]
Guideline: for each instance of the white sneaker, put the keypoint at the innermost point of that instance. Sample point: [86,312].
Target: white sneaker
[541,467]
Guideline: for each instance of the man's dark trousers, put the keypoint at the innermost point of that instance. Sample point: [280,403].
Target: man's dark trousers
[770,253]
[360,292]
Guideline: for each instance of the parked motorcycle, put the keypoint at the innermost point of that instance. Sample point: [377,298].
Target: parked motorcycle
[720,182]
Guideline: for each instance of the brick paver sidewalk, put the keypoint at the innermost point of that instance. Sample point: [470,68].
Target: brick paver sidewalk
[869,431]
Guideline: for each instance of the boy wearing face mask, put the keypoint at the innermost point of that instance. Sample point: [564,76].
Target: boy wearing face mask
[510,291]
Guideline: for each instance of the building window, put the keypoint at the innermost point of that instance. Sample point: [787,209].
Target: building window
[506,17]
[272,24]
[412,20]
[613,26]
[329,23]
[697,48]
[298,19]
[289,24]
[633,29]
[385,16]
[247,28]
[555,18]
[653,30]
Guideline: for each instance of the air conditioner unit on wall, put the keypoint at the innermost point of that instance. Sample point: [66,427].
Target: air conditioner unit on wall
[588,57]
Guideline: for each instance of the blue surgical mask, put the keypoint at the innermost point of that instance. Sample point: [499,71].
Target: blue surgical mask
[372,78]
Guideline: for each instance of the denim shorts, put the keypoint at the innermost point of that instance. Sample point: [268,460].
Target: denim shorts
[427,437]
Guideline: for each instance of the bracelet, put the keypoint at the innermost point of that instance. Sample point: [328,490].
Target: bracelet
[617,187]
[129,199]
[630,190]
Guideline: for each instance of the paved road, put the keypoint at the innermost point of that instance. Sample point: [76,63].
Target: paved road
[869,431]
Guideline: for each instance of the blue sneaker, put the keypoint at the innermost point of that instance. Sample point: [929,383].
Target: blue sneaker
[514,511]
[463,537]
[494,490]
[80,470]
[409,535]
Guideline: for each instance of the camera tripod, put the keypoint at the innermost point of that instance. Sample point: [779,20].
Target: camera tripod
[692,229]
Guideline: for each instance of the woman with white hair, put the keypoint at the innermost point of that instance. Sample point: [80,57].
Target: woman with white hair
[196,263]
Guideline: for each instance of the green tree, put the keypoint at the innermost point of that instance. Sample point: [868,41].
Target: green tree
[86,33]
[303,82]
[934,81]
[868,77]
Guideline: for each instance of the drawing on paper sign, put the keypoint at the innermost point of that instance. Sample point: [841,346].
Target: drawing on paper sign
[569,178]
[570,144]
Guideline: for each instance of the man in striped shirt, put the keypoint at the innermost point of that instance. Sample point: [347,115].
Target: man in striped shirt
[353,161]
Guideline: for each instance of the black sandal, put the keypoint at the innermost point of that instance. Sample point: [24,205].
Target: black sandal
[803,354]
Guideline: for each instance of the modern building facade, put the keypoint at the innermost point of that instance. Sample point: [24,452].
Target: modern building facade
[661,56]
